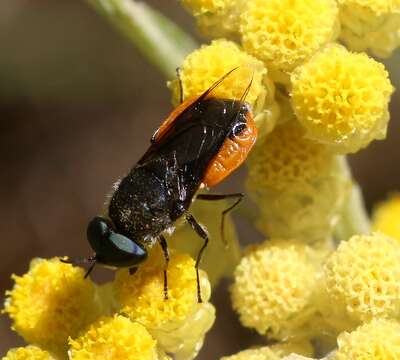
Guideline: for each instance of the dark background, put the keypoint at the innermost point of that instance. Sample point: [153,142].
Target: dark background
[78,105]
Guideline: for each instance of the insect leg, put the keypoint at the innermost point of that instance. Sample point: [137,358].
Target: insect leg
[164,247]
[201,232]
[237,196]
[92,260]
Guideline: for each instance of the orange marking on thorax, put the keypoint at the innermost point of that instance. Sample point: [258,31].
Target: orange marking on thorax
[232,154]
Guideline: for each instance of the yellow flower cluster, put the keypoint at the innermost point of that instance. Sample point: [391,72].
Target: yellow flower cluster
[215,18]
[178,324]
[362,281]
[273,352]
[370,24]
[114,338]
[51,302]
[209,63]
[298,184]
[200,7]
[377,340]
[273,286]
[337,104]
[314,102]
[54,307]
[28,353]
[284,33]
[288,290]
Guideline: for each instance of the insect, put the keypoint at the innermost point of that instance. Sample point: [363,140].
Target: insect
[200,143]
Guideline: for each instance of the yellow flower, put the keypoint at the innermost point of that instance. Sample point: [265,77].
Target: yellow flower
[377,340]
[301,347]
[274,352]
[287,158]
[208,64]
[199,7]
[298,184]
[362,281]
[179,323]
[114,338]
[284,33]
[386,217]
[216,18]
[370,24]
[28,353]
[51,302]
[342,98]
[272,287]
[262,353]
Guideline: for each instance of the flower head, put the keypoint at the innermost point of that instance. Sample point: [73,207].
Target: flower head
[386,217]
[200,7]
[28,353]
[287,158]
[284,33]
[377,340]
[178,323]
[208,64]
[362,280]
[337,103]
[297,183]
[114,338]
[370,24]
[272,286]
[51,302]
[262,353]
[274,352]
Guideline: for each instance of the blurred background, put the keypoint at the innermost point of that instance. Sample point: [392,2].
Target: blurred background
[78,104]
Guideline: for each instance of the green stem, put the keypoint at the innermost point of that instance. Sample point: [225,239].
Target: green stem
[354,217]
[160,40]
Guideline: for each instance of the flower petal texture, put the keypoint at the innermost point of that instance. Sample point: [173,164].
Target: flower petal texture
[274,352]
[377,340]
[114,338]
[51,302]
[337,103]
[199,7]
[178,323]
[362,280]
[272,286]
[370,24]
[298,184]
[284,33]
[208,64]
[28,353]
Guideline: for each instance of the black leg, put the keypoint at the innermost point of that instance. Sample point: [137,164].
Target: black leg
[164,247]
[201,232]
[178,74]
[212,197]
[83,261]
[90,269]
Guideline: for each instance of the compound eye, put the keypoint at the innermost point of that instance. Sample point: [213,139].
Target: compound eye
[112,248]
[98,231]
